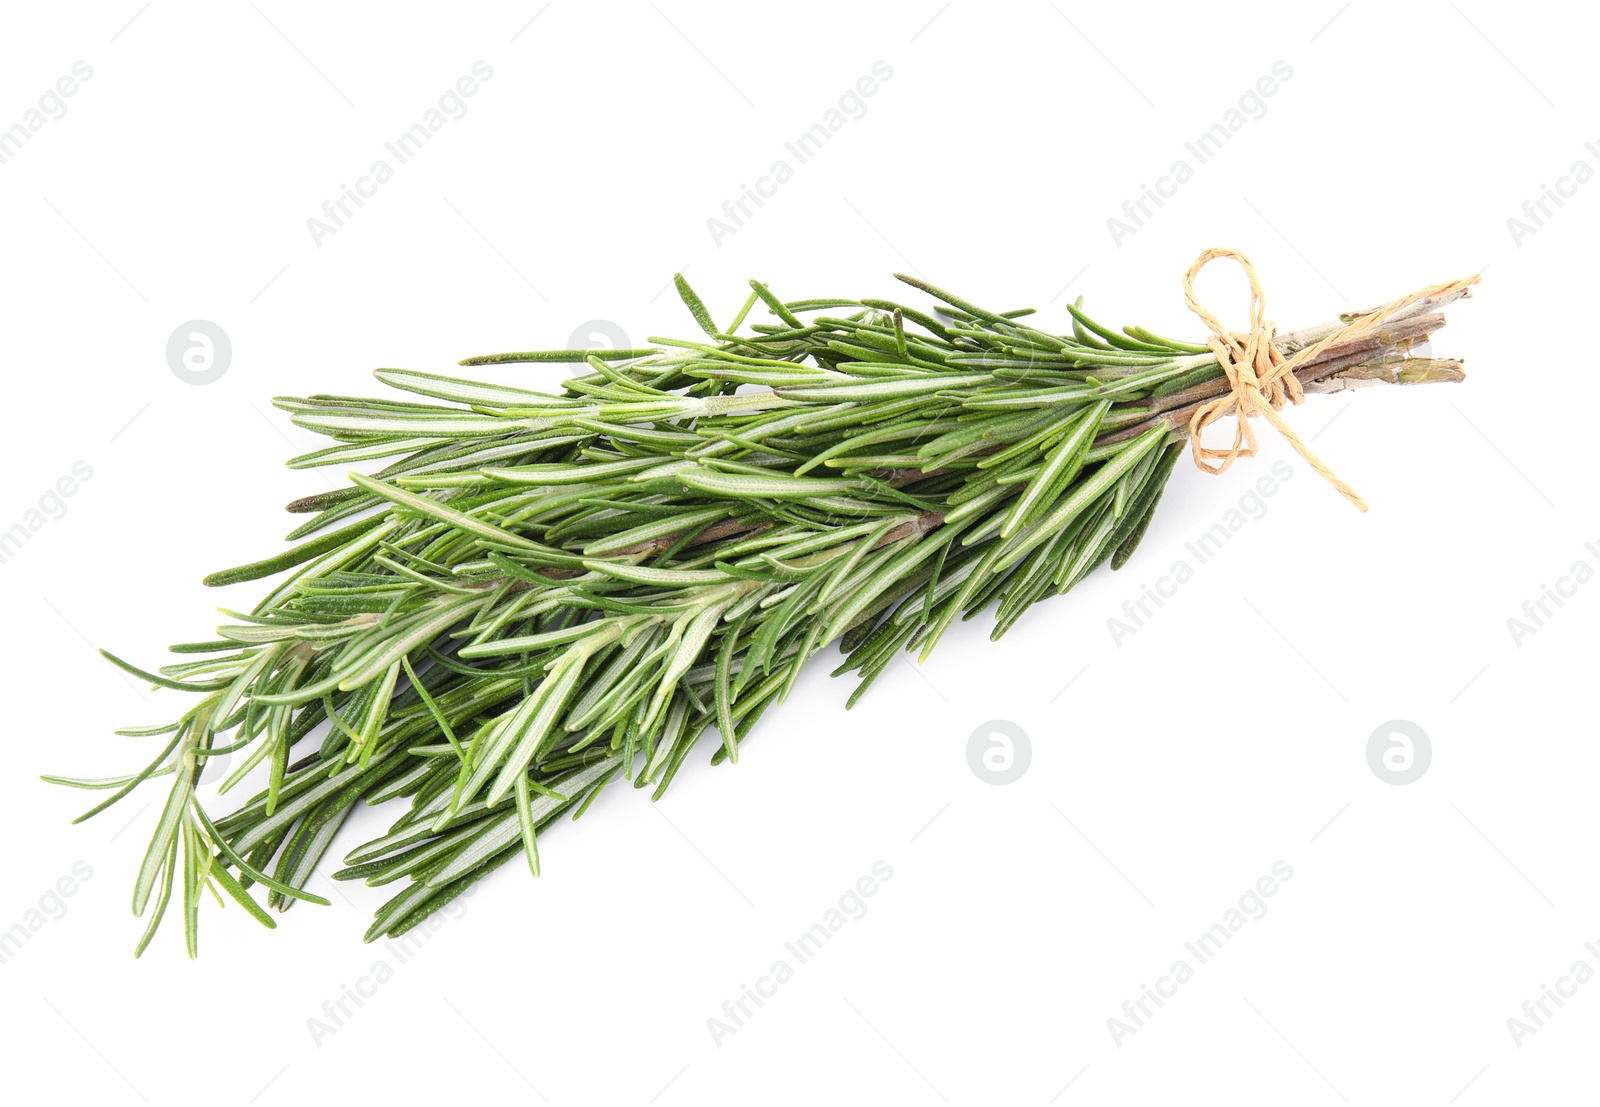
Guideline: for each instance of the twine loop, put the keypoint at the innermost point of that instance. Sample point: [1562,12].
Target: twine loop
[1261,379]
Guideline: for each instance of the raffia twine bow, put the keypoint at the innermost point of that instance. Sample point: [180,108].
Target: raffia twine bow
[1260,378]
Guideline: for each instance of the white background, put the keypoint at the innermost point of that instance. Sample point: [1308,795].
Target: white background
[1227,734]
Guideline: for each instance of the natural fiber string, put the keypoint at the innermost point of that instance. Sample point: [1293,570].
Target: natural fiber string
[1260,378]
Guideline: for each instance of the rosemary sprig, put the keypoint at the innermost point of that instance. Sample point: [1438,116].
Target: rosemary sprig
[542,593]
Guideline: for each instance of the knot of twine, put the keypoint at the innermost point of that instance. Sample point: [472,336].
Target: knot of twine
[1260,378]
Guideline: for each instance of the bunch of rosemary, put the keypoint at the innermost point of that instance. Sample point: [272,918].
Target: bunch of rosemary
[547,592]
